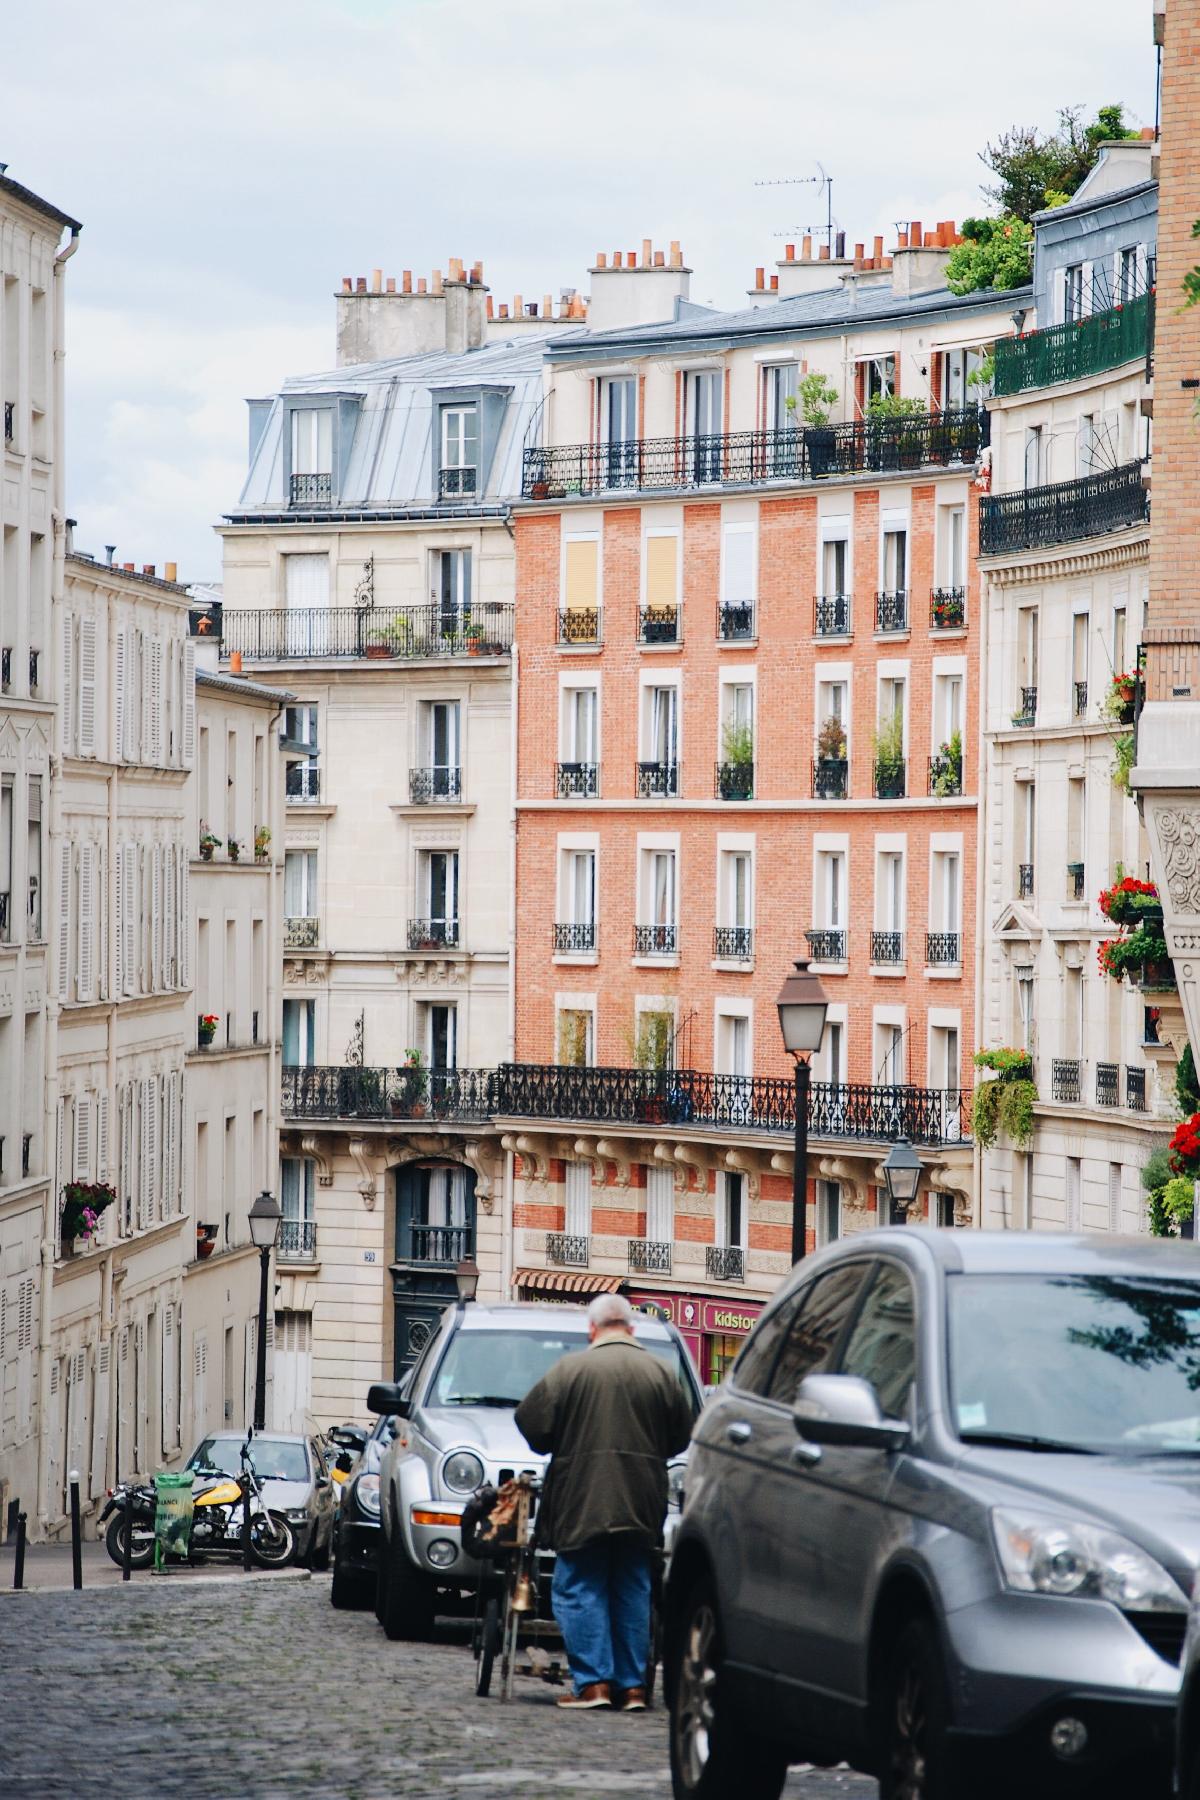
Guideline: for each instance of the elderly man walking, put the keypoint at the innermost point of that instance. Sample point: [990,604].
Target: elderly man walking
[611,1416]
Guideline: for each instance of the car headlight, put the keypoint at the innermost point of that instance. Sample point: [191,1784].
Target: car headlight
[366,1493]
[296,1515]
[1041,1553]
[676,1473]
[462,1472]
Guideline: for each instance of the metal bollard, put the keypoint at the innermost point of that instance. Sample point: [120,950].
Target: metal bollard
[76,1537]
[247,1563]
[19,1559]
[127,1547]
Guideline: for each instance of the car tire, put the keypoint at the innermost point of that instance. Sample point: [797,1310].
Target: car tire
[912,1710]
[406,1607]
[714,1754]
[318,1556]
[347,1592]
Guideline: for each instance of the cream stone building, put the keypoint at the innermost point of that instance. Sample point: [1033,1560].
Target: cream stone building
[1064,542]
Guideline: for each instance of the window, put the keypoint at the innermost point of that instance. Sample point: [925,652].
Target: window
[731,1210]
[577,1197]
[306,595]
[579,888]
[619,429]
[1024,993]
[895,561]
[814,1335]
[1027,647]
[657,933]
[877,375]
[297,1188]
[833,567]
[953,546]
[737,718]
[443,748]
[439,893]
[312,441]
[1079,663]
[451,590]
[1033,456]
[580,721]
[958,389]
[947,707]
[581,579]
[1118,640]
[736,895]
[752,1372]
[1072,293]
[460,450]
[831,889]
[1074,1219]
[1076,821]
[33,860]
[661,725]
[889,893]
[829,1212]
[655,1046]
[660,1204]
[1127,276]
[662,575]
[829,1063]
[1027,838]
[300,884]
[944,1058]
[299,1033]
[576,1028]
[442,1037]
[6,858]
[779,386]
[947,889]
[300,725]
[889,1055]
[737,582]
[1086,458]
[702,422]
[882,1345]
[733,1044]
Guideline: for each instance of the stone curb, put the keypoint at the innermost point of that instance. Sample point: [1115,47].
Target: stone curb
[141,1585]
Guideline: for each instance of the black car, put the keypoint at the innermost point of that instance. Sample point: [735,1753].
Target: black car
[356,1521]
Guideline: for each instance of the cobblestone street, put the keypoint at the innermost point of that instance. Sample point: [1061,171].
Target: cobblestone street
[222,1692]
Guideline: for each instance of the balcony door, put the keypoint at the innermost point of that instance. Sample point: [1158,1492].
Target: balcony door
[704,423]
[300,884]
[306,594]
[452,591]
[434,1230]
[297,1198]
[663,736]
[299,1033]
[441,894]
[445,747]
[620,426]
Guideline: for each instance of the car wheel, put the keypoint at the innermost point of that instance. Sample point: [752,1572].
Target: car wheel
[913,1710]
[713,1754]
[489,1645]
[407,1604]
[347,1592]
[318,1555]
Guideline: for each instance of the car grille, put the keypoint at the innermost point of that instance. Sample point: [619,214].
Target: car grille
[1163,1631]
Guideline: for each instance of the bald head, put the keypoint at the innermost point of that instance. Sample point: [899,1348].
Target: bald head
[609,1313]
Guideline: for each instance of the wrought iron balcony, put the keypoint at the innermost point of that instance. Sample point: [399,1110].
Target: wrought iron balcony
[407,1092]
[887,947]
[9,415]
[658,624]
[433,934]
[1076,879]
[1079,347]
[735,781]
[1081,697]
[1063,512]
[579,625]
[430,785]
[1108,1084]
[891,611]
[1024,881]
[655,940]
[458,484]
[567,1249]
[574,940]
[1065,1076]
[827,944]
[735,620]
[4,916]
[752,458]
[312,490]
[302,781]
[577,781]
[889,780]
[1026,713]
[724,1262]
[297,1240]
[647,1257]
[830,778]
[1135,1089]
[657,781]
[439,1244]
[376,633]
[945,777]
[831,615]
[5,670]
[733,943]
[301,934]
[947,608]
[943,949]
[33,671]
[26,1152]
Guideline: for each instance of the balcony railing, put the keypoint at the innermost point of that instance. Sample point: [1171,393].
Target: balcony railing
[724,1262]
[830,778]
[577,781]
[831,615]
[426,786]
[1067,352]
[440,1243]
[657,780]
[1135,1089]
[827,944]
[433,934]
[1108,1084]
[658,624]
[735,781]
[887,947]
[648,1257]
[297,1240]
[9,415]
[301,934]
[26,1152]
[303,781]
[5,670]
[458,484]
[891,611]
[735,620]
[34,656]
[1076,880]
[378,633]
[4,917]
[573,940]
[1024,881]
[750,458]
[948,609]
[655,940]
[1026,713]
[857,1111]
[1081,691]
[579,625]
[943,949]
[1063,512]
[889,780]
[567,1249]
[312,490]
[945,777]
[734,943]
[1065,1073]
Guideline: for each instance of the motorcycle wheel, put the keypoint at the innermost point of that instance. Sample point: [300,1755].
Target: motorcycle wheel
[143,1543]
[271,1540]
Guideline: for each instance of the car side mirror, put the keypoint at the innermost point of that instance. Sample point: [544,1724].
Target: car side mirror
[344,1462]
[388,1397]
[348,1437]
[843,1409]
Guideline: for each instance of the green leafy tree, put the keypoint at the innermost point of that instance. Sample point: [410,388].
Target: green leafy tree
[1035,170]
[994,254]
[1187,1092]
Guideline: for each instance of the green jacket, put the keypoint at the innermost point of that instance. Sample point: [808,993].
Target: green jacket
[610,1416]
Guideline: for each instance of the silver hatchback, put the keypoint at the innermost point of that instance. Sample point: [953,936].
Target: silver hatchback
[942,1521]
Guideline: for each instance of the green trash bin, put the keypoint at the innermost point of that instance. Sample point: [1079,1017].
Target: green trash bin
[172,1515]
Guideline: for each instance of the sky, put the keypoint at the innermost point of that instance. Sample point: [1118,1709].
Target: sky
[232,160]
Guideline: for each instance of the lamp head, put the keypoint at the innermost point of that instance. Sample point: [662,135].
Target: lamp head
[466,1279]
[802,1005]
[264,1221]
[902,1173]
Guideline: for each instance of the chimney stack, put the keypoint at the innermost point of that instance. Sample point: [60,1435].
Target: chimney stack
[626,291]
[375,323]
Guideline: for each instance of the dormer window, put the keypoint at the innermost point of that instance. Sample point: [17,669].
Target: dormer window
[312,456]
[459,471]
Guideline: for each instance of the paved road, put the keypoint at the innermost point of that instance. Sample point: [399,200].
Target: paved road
[168,1688]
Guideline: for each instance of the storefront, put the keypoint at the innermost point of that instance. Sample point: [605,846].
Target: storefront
[713,1330]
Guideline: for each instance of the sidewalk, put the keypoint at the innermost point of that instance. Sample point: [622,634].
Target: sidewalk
[48,1570]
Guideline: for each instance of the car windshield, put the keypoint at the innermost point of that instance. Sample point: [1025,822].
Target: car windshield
[274,1459]
[1100,1363]
[498,1368]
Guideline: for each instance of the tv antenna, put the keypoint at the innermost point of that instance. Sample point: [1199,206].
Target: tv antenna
[823,182]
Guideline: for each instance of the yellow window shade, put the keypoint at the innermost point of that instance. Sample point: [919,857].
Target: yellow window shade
[582,571]
[661,556]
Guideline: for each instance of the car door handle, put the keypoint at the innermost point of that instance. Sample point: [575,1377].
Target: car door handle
[739,1432]
[806,1453]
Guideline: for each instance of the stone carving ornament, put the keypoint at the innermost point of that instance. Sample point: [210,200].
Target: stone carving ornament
[1179,836]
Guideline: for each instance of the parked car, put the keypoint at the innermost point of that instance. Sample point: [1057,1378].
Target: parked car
[295,1482]
[356,1520]
[456,1431]
[942,1521]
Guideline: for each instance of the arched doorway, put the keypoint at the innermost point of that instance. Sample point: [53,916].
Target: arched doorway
[435,1230]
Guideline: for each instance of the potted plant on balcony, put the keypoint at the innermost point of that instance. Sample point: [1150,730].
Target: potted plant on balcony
[83,1204]
[206,1241]
[831,760]
[1130,901]
[947,768]
[1141,955]
[888,742]
[892,443]
[262,843]
[407,1100]
[474,637]
[206,1029]
[234,847]
[1006,1103]
[1120,703]
[948,610]
[378,645]
[737,770]
[209,841]
[815,399]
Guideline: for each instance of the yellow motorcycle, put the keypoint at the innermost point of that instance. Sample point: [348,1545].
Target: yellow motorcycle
[217,1520]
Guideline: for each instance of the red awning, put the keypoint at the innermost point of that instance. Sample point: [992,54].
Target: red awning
[565,1281]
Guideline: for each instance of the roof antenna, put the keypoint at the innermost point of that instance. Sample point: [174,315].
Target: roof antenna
[822,181]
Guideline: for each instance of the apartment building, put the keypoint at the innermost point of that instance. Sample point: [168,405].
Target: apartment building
[1065,543]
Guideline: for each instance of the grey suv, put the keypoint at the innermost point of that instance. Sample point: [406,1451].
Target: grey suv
[942,1521]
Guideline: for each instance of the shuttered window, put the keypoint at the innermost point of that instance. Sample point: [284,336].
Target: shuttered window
[87,687]
[66,711]
[86,921]
[582,572]
[189,704]
[662,558]
[737,572]
[66,861]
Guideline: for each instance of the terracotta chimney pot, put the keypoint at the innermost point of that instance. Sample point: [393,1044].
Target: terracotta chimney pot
[406,281]
[360,286]
[806,248]
[789,253]
[601,260]
[170,571]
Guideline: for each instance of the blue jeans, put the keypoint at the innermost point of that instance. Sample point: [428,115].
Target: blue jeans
[601,1599]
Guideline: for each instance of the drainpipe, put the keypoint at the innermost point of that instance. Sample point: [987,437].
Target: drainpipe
[982,815]
[514,714]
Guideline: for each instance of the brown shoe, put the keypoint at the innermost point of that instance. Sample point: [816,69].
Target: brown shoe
[630,1700]
[587,1699]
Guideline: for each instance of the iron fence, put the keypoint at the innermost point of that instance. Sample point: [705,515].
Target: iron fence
[378,633]
[889,780]
[830,778]
[458,484]
[1069,351]
[831,615]
[1063,511]
[647,1257]
[579,625]
[311,490]
[655,940]
[891,611]
[735,781]
[1065,1074]
[577,781]
[1024,881]
[1108,1084]
[827,944]
[735,943]
[948,608]
[571,939]
[735,620]
[440,1243]
[1135,1089]
[1076,880]
[408,1092]
[657,780]
[297,1240]
[943,949]
[1081,697]
[430,785]
[945,776]
[658,624]
[302,781]
[433,934]
[724,1262]
[5,670]
[301,934]
[887,946]
[567,1249]
[1026,713]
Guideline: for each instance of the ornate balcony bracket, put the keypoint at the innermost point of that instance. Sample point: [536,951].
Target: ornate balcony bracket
[482,1155]
[954,1179]
[850,1175]
[310,1146]
[362,1154]
[692,1164]
[748,1164]
[588,1150]
[619,1156]
[535,1163]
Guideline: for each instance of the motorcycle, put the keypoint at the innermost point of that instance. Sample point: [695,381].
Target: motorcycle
[216,1520]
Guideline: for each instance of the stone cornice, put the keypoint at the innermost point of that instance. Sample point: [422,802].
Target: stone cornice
[1119,552]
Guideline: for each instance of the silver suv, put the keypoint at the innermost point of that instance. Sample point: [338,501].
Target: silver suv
[456,1431]
[942,1521]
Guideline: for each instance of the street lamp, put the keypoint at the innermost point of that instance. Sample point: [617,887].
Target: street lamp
[264,1229]
[466,1279]
[802,1008]
[902,1175]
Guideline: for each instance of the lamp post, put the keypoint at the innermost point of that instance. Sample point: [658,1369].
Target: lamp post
[802,1005]
[902,1175]
[264,1229]
[466,1279]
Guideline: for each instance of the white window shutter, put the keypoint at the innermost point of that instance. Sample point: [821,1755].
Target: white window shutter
[65,864]
[87,687]
[68,669]
[154,1144]
[144,1141]
[189,704]
[185,921]
[86,921]
[156,925]
[170,968]
[129,921]
[83,1138]
[102,1137]
[60,1149]
[120,699]
[1085,299]
[171,1202]
[118,944]
[126,1172]
[146,748]
[102,951]
[170,1371]
[100,1389]
[156,700]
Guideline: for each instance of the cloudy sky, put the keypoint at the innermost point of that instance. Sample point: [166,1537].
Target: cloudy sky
[232,159]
